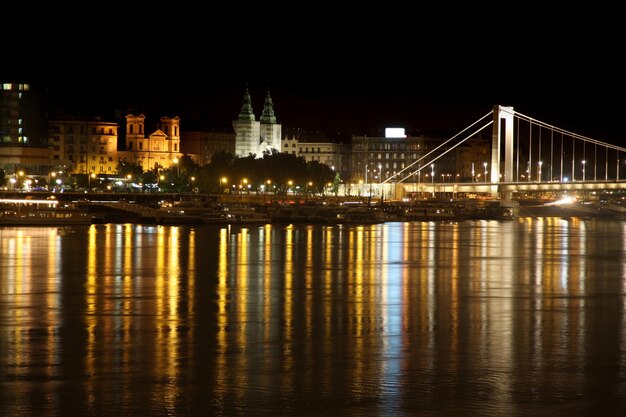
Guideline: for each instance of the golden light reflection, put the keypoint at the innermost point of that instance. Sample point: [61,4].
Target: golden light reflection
[292,302]
[91,307]
[288,294]
[266,245]
[221,365]
[308,280]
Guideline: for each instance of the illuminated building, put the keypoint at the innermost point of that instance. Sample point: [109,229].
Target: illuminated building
[23,130]
[22,115]
[157,149]
[84,146]
[256,137]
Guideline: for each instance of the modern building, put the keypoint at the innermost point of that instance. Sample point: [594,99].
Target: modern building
[256,137]
[406,159]
[23,115]
[23,131]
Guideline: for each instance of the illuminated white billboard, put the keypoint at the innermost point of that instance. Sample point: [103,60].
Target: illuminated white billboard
[394,132]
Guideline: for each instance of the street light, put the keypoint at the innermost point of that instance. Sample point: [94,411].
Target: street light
[485,166]
[92,175]
[223,181]
[176,161]
[539,171]
[584,162]
[432,177]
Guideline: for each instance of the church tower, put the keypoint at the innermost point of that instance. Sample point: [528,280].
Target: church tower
[134,131]
[270,128]
[171,128]
[247,129]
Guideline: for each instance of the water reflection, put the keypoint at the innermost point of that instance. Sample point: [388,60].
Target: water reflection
[489,318]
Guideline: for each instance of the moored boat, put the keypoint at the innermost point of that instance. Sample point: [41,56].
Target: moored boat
[29,212]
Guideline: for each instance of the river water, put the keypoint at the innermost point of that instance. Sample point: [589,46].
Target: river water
[474,318]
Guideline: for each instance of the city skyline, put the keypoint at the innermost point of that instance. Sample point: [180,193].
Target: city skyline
[347,106]
[337,74]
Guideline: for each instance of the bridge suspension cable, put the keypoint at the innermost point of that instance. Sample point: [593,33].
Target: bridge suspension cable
[418,161]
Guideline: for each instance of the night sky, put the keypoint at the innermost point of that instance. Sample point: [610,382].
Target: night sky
[356,76]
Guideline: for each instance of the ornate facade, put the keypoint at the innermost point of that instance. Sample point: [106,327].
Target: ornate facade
[157,149]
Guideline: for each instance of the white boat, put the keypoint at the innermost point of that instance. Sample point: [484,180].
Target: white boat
[360,215]
[28,212]
[246,214]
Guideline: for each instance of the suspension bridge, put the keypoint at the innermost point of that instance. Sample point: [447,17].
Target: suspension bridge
[528,156]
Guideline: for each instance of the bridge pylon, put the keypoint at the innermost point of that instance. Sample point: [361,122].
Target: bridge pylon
[502,124]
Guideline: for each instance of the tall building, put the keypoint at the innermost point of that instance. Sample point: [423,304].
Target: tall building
[23,118]
[23,130]
[256,137]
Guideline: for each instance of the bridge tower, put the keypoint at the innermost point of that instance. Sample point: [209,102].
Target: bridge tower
[502,125]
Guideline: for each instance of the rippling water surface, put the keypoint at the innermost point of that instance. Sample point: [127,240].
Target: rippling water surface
[516,318]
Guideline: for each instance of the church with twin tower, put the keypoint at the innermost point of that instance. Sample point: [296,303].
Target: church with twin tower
[256,137]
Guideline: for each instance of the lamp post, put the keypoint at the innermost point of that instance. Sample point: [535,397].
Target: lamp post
[584,162]
[176,161]
[485,166]
[223,182]
[539,171]
[432,177]
[91,176]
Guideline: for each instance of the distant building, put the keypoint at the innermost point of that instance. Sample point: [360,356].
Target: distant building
[409,159]
[23,130]
[256,137]
[84,146]
[157,149]
[205,144]
[23,115]
[329,149]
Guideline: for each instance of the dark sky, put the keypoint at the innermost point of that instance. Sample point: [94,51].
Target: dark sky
[356,76]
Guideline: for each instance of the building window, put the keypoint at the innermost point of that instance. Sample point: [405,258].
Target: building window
[130,129]
[141,146]
[175,130]
[175,148]
[140,129]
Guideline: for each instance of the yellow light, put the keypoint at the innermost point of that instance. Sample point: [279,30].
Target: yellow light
[224,180]
[93,175]
[245,180]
